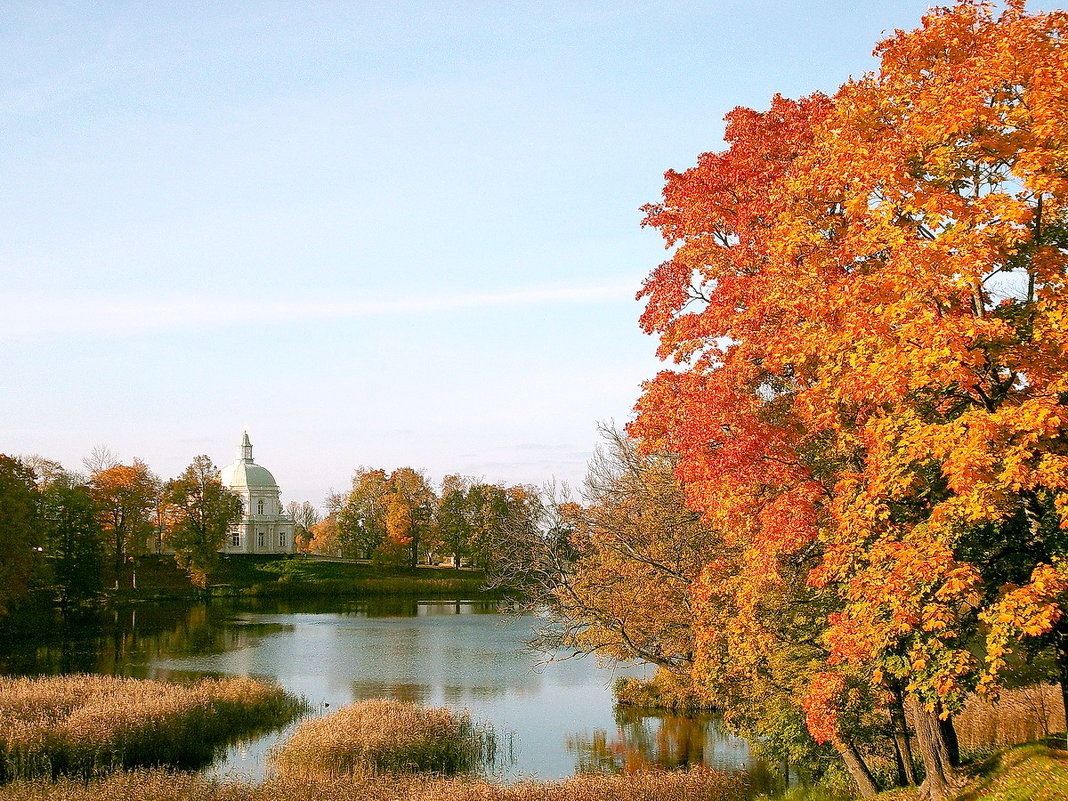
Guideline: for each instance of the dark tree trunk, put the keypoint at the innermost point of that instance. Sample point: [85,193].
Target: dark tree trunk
[1062,666]
[901,778]
[857,769]
[902,746]
[933,751]
[949,736]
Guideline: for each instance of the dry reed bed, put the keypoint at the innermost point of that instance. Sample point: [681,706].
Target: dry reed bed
[1018,716]
[385,736]
[88,725]
[695,785]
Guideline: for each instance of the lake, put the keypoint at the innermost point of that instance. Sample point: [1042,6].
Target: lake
[552,719]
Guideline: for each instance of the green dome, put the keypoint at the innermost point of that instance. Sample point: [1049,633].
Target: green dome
[247,474]
[244,473]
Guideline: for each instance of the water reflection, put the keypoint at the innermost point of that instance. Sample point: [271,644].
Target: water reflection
[118,641]
[642,741]
[553,717]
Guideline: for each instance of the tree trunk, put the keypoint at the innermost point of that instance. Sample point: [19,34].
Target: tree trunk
[857,769]
[1062,666]
[901,778]
[949,736]
[901,735]
[933,751]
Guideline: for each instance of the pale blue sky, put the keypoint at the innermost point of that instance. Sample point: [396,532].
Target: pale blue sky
[381,233]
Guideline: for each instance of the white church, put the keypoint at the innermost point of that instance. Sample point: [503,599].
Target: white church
[264,527]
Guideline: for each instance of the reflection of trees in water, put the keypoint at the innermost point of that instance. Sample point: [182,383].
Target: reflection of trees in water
[42,641]
[641,742]
[121,641]
[365,689]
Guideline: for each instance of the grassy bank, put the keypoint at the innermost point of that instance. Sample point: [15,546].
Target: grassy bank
[1028,772]
[84,726]
[385,736]
[288,577]
[1031,772]
[663,693]
[694,785]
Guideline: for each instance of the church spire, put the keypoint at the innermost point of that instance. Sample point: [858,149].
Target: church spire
[244,450]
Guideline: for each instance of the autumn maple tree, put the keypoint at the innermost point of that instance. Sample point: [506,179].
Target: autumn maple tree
[386,516]
[867,301]
[126,497]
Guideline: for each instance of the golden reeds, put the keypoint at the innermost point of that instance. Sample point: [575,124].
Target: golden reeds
[88,725]
[385,736]
[698,784]
[1018,716]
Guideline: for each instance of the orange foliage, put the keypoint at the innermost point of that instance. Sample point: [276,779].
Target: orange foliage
[821,706]
[127,497]
[868,301]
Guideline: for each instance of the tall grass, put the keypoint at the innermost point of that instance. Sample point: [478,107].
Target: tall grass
[88,725]
[694,785]
[1018,716]
[385,736]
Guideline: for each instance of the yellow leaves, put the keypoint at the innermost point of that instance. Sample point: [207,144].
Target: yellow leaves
[1030,610]
[875,400]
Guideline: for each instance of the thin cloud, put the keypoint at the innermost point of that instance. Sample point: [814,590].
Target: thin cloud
[36,316]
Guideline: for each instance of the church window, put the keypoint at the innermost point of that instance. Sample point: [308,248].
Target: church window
[261,540]
[281,539]
[261,506]
[235,539]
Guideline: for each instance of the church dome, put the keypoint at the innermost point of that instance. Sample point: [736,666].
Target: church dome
[244,473]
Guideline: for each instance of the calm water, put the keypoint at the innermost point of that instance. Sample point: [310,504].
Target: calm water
[551,719]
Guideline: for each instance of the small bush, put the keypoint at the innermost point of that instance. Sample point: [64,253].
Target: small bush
[385,736]
[666,692]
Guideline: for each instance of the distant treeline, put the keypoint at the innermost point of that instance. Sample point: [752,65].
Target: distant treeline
[68,535]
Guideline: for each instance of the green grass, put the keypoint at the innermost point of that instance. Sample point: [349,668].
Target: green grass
[1032,772]
[807,794]
[279,576]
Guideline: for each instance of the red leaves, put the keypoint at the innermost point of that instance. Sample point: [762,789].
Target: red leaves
[821,706]
[849,375]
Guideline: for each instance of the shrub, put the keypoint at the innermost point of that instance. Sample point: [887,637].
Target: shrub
[385,736]
[665,691]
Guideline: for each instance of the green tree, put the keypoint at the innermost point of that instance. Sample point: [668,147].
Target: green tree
[74,540]
[19,530]
[453,525]
[496,516]
[198,511]
[361,515]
